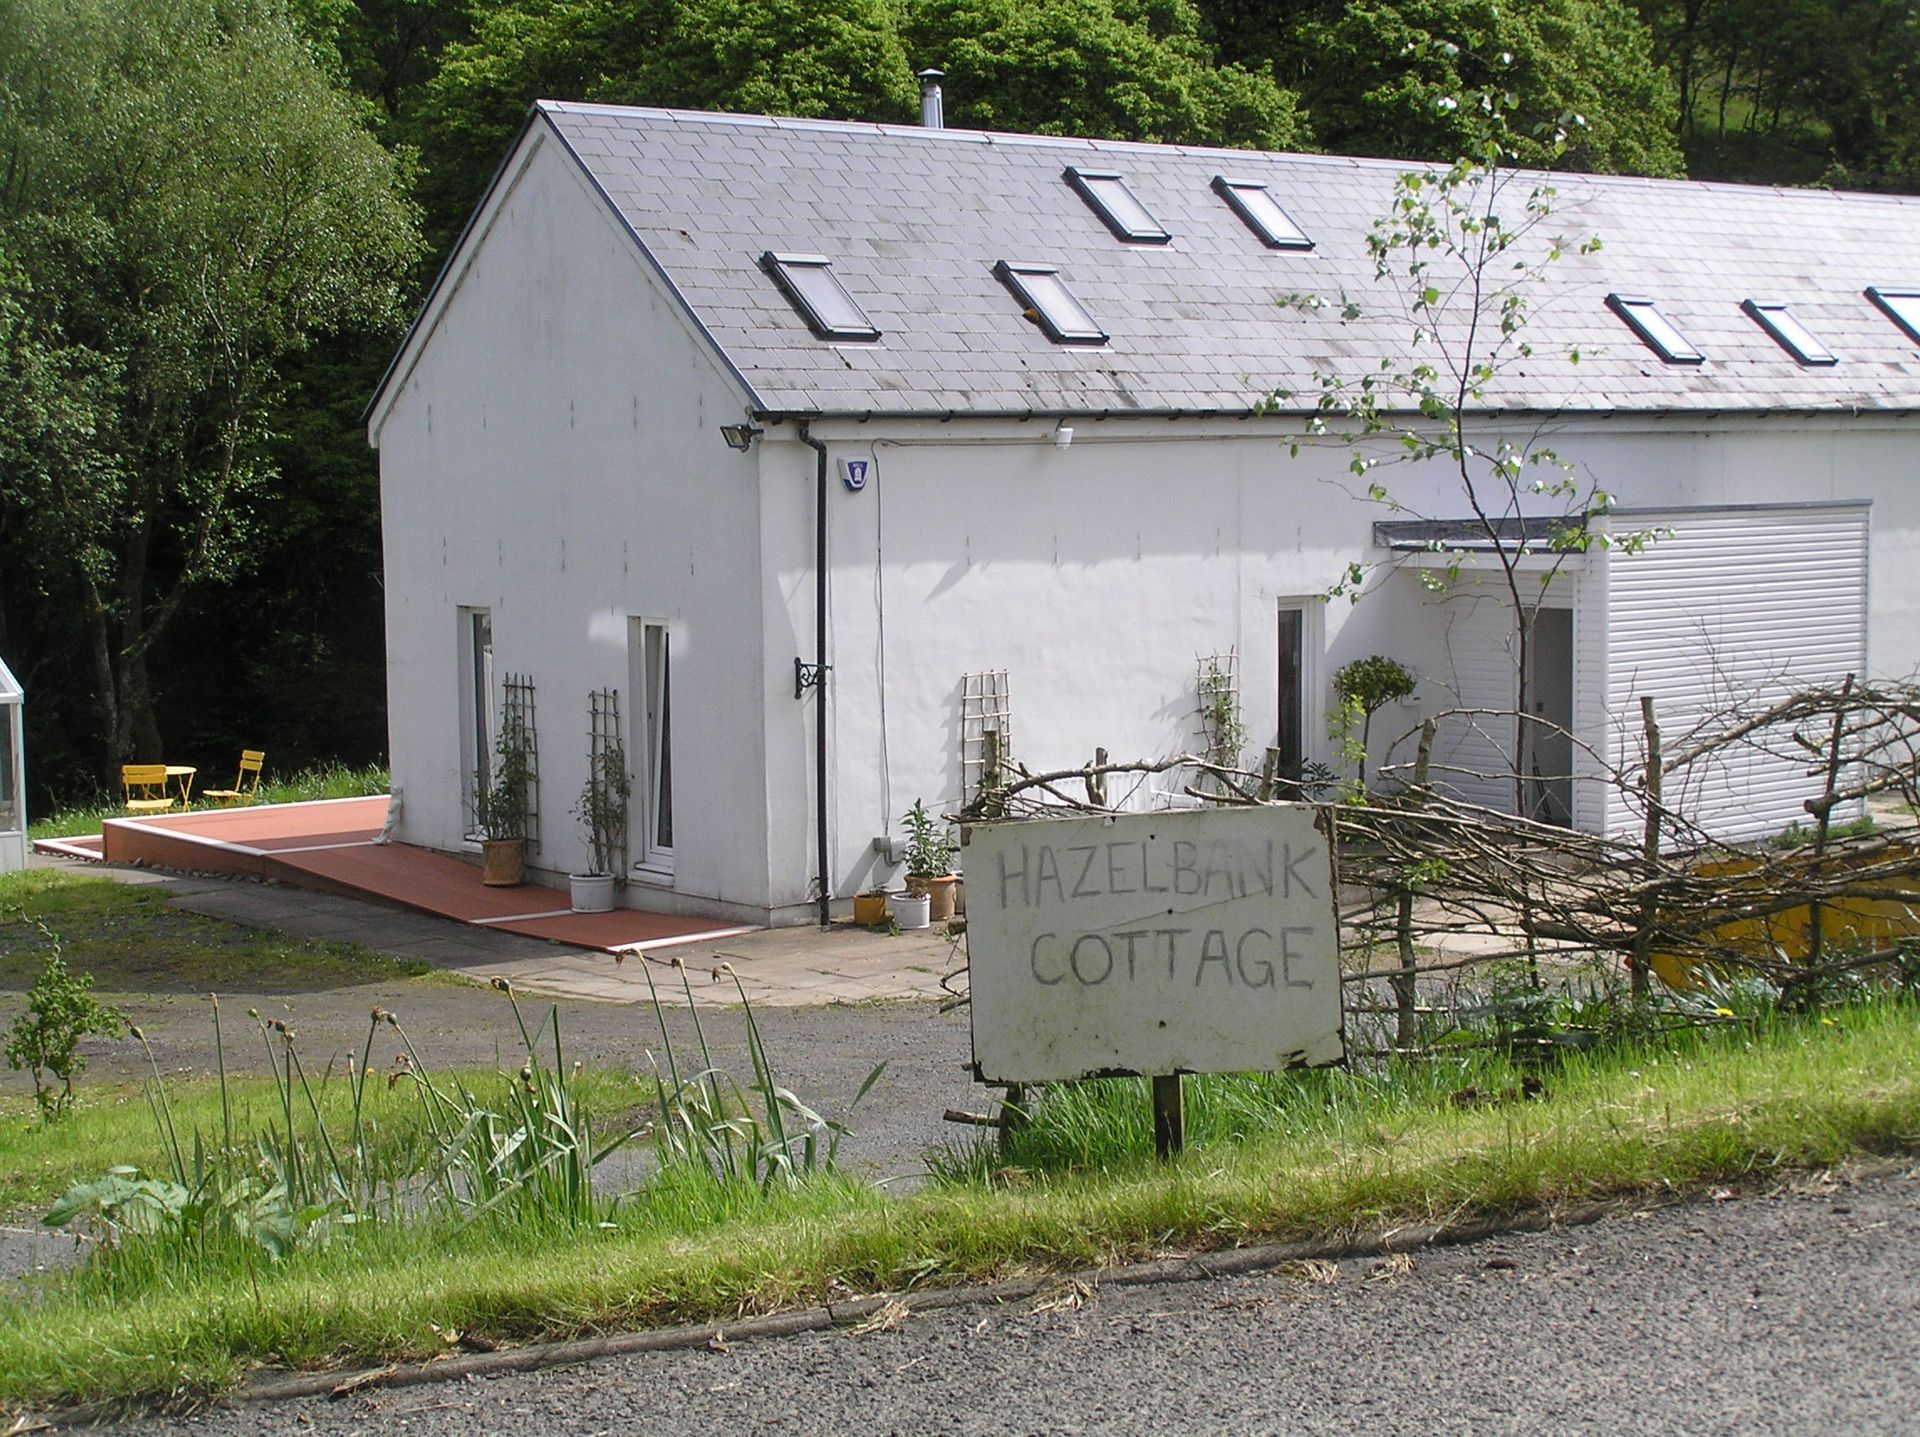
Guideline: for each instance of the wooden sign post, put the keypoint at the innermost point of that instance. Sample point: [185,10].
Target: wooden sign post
[1154,944]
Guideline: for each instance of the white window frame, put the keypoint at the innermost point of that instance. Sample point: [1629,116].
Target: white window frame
[1312,609]
[650,678]
[476,707]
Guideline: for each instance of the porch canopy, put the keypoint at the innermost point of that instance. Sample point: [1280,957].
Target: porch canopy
[1710,611]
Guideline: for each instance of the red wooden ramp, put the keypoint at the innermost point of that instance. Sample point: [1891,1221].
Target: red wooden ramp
[331,845]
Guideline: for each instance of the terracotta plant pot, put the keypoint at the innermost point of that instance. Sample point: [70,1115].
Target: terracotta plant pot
[503,862]
[941,891]
[870,909]
[592,892]
[910,910]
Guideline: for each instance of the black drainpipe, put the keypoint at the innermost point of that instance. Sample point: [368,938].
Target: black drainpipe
[820,669]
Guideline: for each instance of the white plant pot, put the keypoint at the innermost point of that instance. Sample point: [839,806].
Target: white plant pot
[592,892]
[910,910]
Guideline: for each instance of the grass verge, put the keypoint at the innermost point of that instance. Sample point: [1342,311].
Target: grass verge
[112,1123]
[1347,1155]
[133,940]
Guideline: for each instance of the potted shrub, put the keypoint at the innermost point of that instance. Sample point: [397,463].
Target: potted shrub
[602,811]
[500,806]
[930,852]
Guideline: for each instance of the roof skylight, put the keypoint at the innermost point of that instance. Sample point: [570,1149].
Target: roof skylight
[1790,334]
[1262,213]
[815,290]
[1659,333]
[1902,306]
[1110,198]
[1046,297]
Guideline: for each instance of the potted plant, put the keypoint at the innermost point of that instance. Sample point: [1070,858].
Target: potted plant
[500,806]
[930,853]
[602,811]
[870,907]
[910,910]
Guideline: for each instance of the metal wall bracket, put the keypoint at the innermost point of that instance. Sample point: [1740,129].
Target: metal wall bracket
[806,676]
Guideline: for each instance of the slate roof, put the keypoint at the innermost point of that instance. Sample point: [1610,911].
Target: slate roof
[914,220]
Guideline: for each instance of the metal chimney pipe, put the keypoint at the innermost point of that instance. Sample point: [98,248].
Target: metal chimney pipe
[932,110]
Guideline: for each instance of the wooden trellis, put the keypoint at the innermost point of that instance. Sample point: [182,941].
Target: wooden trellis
[986,733]
[604,743]
[516,705]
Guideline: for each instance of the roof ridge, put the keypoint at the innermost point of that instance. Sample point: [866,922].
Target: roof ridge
[908,131]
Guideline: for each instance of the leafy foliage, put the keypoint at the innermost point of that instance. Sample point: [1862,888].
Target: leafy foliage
[191,201]
[1110,69]
[1366,686]
[1376,76]
[930,846]
[1794,91]
[838,59]
[45,1040]
[1463,249]
[602,806]
[1221,719]
[502,793]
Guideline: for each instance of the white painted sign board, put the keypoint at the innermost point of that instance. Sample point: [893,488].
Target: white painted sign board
[1198,941]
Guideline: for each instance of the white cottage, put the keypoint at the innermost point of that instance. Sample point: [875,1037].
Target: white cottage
[847,455]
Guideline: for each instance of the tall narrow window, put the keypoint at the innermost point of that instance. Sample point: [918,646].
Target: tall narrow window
[1289,738]
[1299,685]
[476,708]
[650,657]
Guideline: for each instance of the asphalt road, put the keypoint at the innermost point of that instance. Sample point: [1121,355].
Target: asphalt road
[1795,1312]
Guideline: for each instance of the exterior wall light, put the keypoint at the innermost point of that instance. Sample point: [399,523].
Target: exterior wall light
[1062,435]
[740,436]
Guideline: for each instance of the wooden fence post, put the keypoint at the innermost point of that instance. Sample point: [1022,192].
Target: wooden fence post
[1639,962]
[1822,809]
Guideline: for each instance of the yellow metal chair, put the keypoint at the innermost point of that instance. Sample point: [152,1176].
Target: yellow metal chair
[145,787]
[246,783]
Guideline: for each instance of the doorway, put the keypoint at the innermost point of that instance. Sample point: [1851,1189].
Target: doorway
[1547,749]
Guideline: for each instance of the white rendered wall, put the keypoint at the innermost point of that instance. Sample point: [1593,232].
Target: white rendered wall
[1096,574]
[555,457]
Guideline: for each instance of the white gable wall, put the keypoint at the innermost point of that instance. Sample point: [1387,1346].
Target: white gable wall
[553,455]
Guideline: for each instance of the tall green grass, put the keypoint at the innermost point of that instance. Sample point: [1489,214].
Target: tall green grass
[332,780]
[1310,1154]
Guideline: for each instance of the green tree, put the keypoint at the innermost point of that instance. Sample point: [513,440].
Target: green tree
[1377,75]
[1461,252]
[826,59]
[1119,69]
[1110,69]
[189,199]
[45,1040]
[1795,91]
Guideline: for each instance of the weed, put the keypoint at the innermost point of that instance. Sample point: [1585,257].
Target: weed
[61,1010]
[707,1122]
